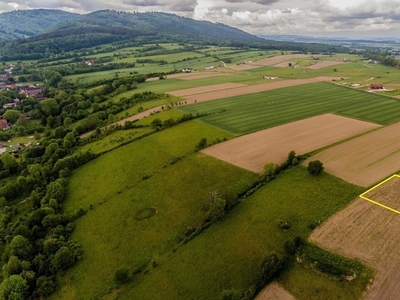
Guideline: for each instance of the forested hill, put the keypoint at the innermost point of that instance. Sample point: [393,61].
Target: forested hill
[26,23]
[109,26]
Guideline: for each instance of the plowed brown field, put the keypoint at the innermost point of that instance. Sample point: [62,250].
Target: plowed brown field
[254,150]
[370,233]
[365,160]
[271,61]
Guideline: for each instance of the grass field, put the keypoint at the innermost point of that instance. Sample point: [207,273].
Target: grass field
[115,187]
[249,113]
[227,255]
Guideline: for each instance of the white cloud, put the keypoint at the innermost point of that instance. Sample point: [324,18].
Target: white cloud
[255,16]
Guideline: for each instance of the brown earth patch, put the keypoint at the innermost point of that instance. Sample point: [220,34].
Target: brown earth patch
[254,150]
[323,64]
[251,89]
[274,292]
[371,234]
[205,89]
[364,160]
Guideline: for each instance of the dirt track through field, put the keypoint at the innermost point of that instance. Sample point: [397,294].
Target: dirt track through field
[365,160]
[251,89]
[369,233]
[254,150]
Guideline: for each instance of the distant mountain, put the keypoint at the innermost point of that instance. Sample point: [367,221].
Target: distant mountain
[109,26]
[26,23]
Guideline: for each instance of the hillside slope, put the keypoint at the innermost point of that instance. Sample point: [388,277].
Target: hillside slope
[26,23]
[108,26]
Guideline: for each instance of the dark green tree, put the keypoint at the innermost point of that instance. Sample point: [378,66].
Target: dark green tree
[315,167]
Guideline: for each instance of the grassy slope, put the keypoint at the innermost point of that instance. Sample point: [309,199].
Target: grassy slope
[109,233]
[228,255]
[244,114]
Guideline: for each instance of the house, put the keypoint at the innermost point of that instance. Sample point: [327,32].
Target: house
[89,62]
[209,67]
[376,86]
[4,124]
[16,102]
[34,92]
[187,70]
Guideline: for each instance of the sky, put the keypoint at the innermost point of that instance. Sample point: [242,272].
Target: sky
[338,18]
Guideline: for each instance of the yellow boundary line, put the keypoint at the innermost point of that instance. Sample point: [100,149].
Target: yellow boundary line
[362,196]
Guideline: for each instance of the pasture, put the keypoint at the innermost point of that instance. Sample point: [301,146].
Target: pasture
[250,113]
[160,171]
[226,256]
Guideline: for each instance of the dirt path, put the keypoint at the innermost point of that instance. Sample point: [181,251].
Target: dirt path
[253,151]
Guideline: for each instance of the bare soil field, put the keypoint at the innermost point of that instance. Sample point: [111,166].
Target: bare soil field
[323,64]
[254,150]
[387,193]
[274,292]
[204,89]
[371,234]
[364,160]
[251,89]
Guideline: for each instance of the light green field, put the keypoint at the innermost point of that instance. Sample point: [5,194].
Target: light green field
[114,184]
[249,113]
[228,255]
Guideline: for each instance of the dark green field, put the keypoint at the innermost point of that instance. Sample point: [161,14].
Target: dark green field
[249,113]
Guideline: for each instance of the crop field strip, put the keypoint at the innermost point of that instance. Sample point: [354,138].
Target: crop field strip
[244,114]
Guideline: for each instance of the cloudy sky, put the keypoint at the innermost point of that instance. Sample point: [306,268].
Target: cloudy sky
[354,18]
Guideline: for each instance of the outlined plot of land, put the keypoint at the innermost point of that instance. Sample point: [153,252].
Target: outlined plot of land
[385,194]
[369,230]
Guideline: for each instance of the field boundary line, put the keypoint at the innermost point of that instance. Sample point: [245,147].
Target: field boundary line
[362,196]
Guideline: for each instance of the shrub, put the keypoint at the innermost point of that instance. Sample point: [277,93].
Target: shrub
[315,167]
[121,276]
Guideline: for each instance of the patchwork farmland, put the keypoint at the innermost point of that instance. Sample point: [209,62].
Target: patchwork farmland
[250,113]
[159,168]
[252,151]
[370,233]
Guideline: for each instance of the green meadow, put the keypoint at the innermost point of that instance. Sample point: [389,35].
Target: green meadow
[161,171]
[249,113]
[228,255]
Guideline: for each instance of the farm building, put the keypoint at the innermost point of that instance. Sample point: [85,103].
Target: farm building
[376,86]
[187,70]
[4,124]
